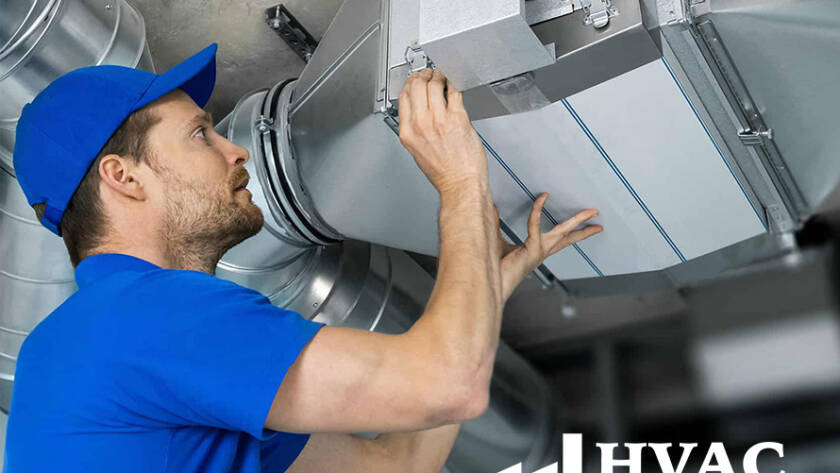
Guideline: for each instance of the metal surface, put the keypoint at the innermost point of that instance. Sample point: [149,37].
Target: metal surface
[595,55]
[594,149]
[35,273]
[598,12]
[114,34]
[296,36]
[755,130]
[476,43]
[537,11]
[21,19]
[349,157]
[701,86]
[354,23]
[284,170]
[787,45]
[275,256]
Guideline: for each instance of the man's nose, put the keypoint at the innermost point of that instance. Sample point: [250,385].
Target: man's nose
[235,154]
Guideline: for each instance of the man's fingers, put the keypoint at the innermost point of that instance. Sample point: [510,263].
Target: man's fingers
[455,101]
[577,220]
[534,217]
[404,108]
[437,102]
[577,236]
[418,93]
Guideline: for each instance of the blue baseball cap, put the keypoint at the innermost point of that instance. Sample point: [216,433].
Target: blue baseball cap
[64,128]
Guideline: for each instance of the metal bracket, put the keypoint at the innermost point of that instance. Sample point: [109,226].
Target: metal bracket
[780,218]
[281,20]
[755,138]
[754,130]
[697,8]
[264,124]
[416,58]
[598,12]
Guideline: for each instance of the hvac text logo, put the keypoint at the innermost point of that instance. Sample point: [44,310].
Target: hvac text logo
[716,459]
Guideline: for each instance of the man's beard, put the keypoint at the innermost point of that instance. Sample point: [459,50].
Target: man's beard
[203,222]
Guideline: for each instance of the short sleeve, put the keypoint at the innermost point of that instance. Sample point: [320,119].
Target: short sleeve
[194,350]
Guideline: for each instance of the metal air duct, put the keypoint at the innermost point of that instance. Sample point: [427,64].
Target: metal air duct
[619,122]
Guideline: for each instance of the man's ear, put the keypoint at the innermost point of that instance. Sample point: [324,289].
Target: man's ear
[120,174]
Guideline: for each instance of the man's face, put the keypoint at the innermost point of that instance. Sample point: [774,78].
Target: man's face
[199,178]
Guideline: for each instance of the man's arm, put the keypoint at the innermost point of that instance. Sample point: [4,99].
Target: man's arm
[439,371]
[410,452]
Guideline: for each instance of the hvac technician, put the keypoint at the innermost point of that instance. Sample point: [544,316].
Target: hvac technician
[155,365]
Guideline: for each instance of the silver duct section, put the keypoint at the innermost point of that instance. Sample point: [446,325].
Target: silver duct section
[369,287]
[40,41]
[627,120]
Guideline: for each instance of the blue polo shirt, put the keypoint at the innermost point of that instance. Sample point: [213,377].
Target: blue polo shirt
[146,369]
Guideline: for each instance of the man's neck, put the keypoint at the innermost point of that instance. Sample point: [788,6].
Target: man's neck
[198,258]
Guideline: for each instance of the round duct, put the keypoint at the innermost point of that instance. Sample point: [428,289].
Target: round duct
[41,41]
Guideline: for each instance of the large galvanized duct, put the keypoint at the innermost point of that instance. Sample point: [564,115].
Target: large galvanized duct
[370,287]
[615,124]
[40,41]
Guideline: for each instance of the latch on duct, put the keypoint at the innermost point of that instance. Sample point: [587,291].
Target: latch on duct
[477,43]
[598,12]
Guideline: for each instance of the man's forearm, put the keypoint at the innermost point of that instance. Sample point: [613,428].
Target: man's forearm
[465,308]
[425,451]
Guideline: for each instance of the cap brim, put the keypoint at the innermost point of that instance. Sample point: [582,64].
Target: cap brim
[196,76]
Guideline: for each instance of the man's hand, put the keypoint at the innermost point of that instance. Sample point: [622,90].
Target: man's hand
[518,261]
[436,130]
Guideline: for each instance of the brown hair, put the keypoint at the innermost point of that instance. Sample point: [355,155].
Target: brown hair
[83,223]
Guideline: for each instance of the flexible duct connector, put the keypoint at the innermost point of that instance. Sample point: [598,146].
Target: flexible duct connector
[40,41]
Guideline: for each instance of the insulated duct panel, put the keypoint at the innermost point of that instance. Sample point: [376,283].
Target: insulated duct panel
[634,148]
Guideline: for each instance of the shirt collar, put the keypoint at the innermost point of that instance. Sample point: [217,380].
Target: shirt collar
[98,266]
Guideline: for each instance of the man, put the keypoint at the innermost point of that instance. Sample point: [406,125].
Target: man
[156,365]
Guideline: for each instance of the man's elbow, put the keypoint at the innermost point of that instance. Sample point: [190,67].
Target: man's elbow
[465,403]
[476,405]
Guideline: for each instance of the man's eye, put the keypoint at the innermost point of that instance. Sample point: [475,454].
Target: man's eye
[201,133]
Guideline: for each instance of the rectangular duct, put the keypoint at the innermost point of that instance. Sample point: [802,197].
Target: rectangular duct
[633,146]
[480,42]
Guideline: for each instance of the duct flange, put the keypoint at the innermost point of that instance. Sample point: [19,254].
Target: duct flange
[283,172]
